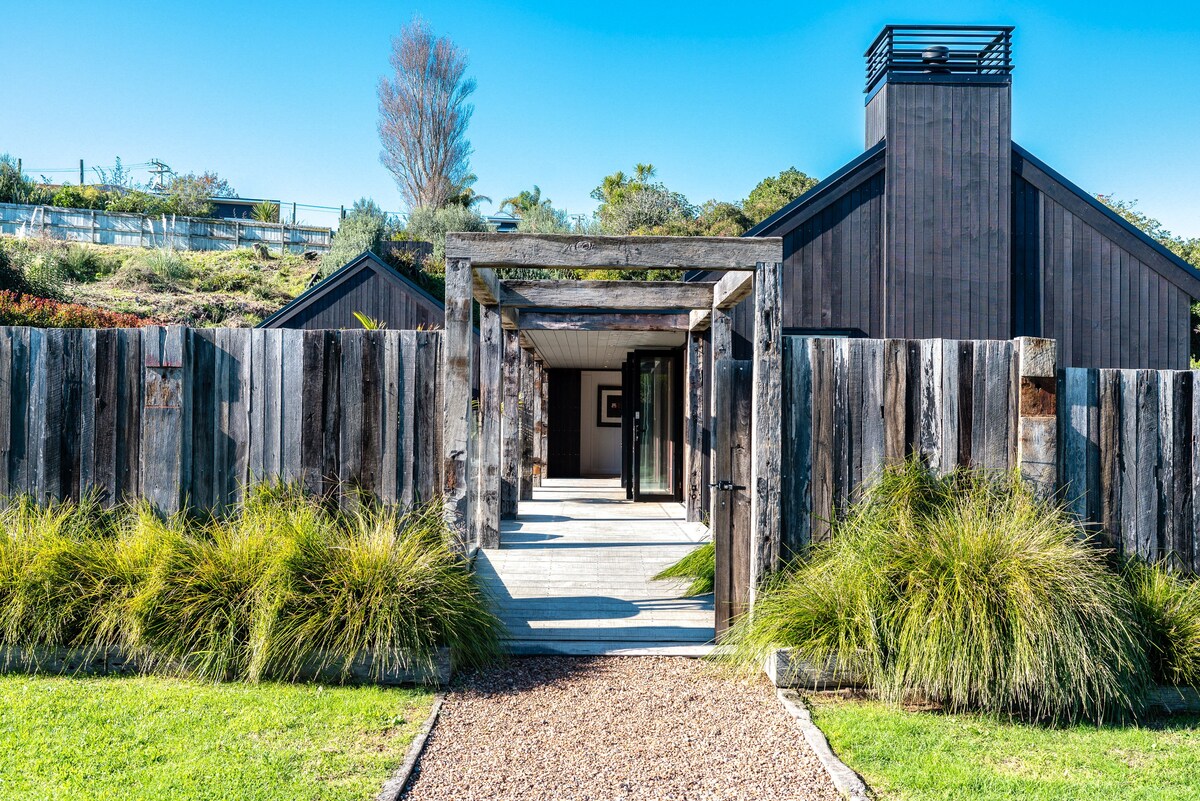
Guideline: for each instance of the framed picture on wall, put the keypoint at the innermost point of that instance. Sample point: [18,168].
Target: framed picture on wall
[608,406]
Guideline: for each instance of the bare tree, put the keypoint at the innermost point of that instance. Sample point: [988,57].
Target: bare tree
[423,116]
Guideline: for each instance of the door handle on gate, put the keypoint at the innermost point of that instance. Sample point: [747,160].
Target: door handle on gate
[726,486]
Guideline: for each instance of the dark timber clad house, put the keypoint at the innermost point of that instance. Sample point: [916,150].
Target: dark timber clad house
[368,285]
[945,227]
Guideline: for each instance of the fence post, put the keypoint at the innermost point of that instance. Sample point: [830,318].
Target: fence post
[1037,410]
[165,460]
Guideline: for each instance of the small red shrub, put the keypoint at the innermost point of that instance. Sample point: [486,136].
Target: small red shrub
[18,309]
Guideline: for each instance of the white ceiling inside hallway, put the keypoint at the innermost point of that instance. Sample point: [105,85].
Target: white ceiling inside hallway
[598,350]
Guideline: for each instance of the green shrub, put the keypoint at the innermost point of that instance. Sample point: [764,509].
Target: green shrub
[137,202]
[80,197]
[16,187]
[284,582]
[265,211]
[1168,611]
[966,591]
[364,228]
[700,566]
[432,225]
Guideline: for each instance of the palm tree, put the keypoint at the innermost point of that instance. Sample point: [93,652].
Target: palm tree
[525,201]
[464,195]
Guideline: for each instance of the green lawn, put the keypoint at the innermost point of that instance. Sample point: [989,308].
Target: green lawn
[926,755]
[155,738]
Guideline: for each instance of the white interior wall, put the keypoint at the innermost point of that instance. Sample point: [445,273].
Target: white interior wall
[599,447]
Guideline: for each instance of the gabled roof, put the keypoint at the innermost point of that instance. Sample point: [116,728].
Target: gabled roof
[363,261]
[791,216]
[1123,233]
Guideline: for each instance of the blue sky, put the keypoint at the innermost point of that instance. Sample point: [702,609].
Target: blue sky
[280,97]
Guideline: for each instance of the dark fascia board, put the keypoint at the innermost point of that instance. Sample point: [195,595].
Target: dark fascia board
[1124,234]
[339,275]
[820,196]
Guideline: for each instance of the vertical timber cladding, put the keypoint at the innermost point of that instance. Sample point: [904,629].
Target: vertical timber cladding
[852,406]
[948,206]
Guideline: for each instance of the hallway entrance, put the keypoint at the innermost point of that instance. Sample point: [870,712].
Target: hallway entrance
[573,574]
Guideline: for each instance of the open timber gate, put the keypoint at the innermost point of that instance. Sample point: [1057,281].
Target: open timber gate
[732,408]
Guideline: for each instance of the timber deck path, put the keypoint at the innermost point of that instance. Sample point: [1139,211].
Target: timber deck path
[573,574]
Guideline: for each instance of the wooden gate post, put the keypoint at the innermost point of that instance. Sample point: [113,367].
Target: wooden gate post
[510,425]
[720,340]
[767,421]
[491,367]
[457,440]
[1037,426]
[696,424]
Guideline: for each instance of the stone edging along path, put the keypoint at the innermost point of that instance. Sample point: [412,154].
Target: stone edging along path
[393,788]
[848,783]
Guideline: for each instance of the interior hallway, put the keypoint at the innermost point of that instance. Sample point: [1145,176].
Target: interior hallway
[573,574]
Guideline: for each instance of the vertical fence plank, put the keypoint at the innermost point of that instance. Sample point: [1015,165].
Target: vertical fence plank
[8,399]
[796,490]
[1147,459]
[164,456]
[391,473]
[526,425]
[291,394]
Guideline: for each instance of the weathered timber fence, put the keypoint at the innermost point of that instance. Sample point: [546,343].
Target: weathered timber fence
[191,416]
[162,230]
[1130,458]
[852,406]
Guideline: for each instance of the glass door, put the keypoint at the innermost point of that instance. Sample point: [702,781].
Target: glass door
[656,425]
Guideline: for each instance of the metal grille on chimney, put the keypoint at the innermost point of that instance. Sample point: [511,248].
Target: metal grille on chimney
[931,52]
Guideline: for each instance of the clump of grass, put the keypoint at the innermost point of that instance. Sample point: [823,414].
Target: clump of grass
[963,590]
[385,583]
[1167,606]
[283,582]
[700,566]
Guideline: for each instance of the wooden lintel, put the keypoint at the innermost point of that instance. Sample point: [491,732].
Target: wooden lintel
[632,295]
[731,289]
[622,252]
[510,319]
[485,286]
[699,319]
[617,321]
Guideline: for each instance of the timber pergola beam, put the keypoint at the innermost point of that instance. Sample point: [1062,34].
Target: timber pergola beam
[562,320]
[624,295]
[710,253]
[731,289]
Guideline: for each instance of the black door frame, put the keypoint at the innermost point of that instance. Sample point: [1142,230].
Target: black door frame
[631,403]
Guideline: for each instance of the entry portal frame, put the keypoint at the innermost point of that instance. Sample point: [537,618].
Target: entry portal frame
[474,454]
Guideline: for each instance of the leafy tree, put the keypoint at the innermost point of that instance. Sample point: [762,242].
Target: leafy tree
[423,117]
[525,202]
[431,225]
[775,192]
[191,195]
[364,228]
[636,203]
[714,218]
[542,218]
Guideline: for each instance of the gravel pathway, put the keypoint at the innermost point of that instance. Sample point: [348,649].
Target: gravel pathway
[609,728]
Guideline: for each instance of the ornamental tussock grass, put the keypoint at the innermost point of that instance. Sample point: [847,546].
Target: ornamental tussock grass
[700,566]
[285,581]
[965,591]
[1168,612]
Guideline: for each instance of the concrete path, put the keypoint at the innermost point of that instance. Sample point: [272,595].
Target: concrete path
[572,574]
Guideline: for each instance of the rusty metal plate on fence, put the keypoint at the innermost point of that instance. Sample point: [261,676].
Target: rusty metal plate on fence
[164,388]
